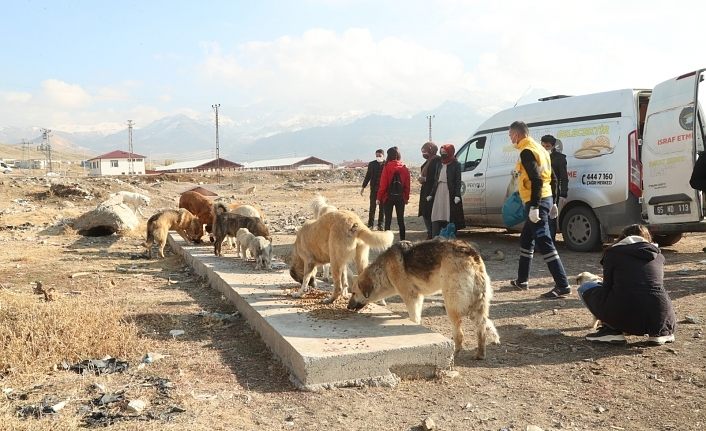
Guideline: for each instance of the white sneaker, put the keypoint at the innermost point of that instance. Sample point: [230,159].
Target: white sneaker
[659,340]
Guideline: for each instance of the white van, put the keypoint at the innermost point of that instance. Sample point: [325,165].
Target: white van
[5,168]
[629,154]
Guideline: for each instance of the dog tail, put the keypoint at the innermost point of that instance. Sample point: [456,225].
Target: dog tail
[317,203]
[150,233]
[219,208]
[374,240]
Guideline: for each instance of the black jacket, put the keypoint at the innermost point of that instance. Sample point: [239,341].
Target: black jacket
[698,175]
[632,298]
[372,176]
[453,178]
[559,169]
[428,185]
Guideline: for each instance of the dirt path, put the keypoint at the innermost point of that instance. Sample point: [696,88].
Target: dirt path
[223,377]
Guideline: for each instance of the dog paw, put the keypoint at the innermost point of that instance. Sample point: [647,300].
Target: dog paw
[328,299]
[298,294]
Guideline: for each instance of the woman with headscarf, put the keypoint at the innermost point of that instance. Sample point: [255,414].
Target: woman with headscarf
[445,199]
[427,178]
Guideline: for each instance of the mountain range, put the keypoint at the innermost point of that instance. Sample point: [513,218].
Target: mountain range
[180,137]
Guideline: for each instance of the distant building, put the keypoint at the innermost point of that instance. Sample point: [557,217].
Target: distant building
[116,163]
[290,163]
[31,164]
[203,165]
[355,164]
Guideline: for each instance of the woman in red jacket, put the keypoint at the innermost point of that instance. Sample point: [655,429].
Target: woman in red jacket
[394,189]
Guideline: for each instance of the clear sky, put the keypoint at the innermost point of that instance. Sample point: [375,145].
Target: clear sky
[80,65]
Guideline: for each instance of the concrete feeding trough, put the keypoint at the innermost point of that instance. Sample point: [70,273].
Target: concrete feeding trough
[321,347]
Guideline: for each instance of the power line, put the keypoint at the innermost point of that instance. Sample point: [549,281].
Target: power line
[430,117]
[130,161]
[46,147]
[218,155]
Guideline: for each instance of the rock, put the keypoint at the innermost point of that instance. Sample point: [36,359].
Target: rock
[547,332]
[691,320]
[136,406]
[58,406]
[176,332]
[107,219]
[151,357]
[428,424]
[98,387]
[66,190]
[600,409]
[451,374]
[533,428]
[555,311]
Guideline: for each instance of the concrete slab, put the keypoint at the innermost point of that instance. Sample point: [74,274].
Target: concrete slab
[322,350]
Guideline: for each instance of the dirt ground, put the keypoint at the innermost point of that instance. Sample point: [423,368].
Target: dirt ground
[219,375]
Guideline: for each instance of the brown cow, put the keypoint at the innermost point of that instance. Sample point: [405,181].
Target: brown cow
[198,205]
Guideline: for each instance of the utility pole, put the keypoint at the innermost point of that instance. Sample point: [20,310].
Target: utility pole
[430,117]
[218,155]
[46,147]
[130,161]
[25,154]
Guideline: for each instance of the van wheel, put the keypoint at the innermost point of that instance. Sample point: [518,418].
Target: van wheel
[581,230]
[667,239]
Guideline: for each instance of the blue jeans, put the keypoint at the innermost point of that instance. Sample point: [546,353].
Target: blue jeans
[537,234]
[587,286]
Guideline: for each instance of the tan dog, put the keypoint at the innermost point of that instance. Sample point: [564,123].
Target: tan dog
[181,220]
[583,278]
[413,271]
[320,206]
[337,238]
[200,206]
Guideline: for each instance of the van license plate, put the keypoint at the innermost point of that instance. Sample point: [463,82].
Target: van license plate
[673,209]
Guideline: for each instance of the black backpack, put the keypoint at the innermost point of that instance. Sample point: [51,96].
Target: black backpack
[395,190]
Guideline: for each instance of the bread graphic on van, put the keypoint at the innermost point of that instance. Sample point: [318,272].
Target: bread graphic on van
[591,147]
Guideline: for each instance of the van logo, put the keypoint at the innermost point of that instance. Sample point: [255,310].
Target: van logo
[686,118]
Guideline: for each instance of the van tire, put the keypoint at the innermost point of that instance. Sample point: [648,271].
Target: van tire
[666,240]
[581,230]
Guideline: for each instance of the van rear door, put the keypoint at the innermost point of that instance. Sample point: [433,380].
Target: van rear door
[669,151]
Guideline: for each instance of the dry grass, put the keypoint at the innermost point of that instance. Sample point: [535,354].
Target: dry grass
[35,335]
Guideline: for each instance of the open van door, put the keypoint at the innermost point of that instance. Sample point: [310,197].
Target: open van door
[669,146]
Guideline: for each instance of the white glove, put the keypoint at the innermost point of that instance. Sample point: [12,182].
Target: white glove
[457,199]
[534,214]
[562,202]
[554,212]
[361,191]
[429,198]
[377,202]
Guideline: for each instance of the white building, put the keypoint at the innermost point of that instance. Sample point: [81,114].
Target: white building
[116,163]
[290,163]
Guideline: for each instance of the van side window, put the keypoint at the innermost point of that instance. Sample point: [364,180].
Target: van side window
[471,154]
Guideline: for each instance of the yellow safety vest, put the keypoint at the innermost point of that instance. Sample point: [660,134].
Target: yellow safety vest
[545,170]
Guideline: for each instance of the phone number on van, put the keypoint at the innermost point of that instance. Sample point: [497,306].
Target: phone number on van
[598,179]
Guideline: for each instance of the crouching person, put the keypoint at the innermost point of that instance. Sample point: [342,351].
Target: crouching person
[631,300]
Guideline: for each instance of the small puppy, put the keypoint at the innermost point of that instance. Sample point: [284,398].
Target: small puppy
[244,241]
[583,278]
[263,258]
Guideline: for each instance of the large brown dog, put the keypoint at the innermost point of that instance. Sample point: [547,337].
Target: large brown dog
[425,268]
[227,224]
[198,205]
[338,238]
[181,220]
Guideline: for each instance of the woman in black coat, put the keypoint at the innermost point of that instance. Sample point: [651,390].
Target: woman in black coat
[631,300]
[445,199]
[427,179]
